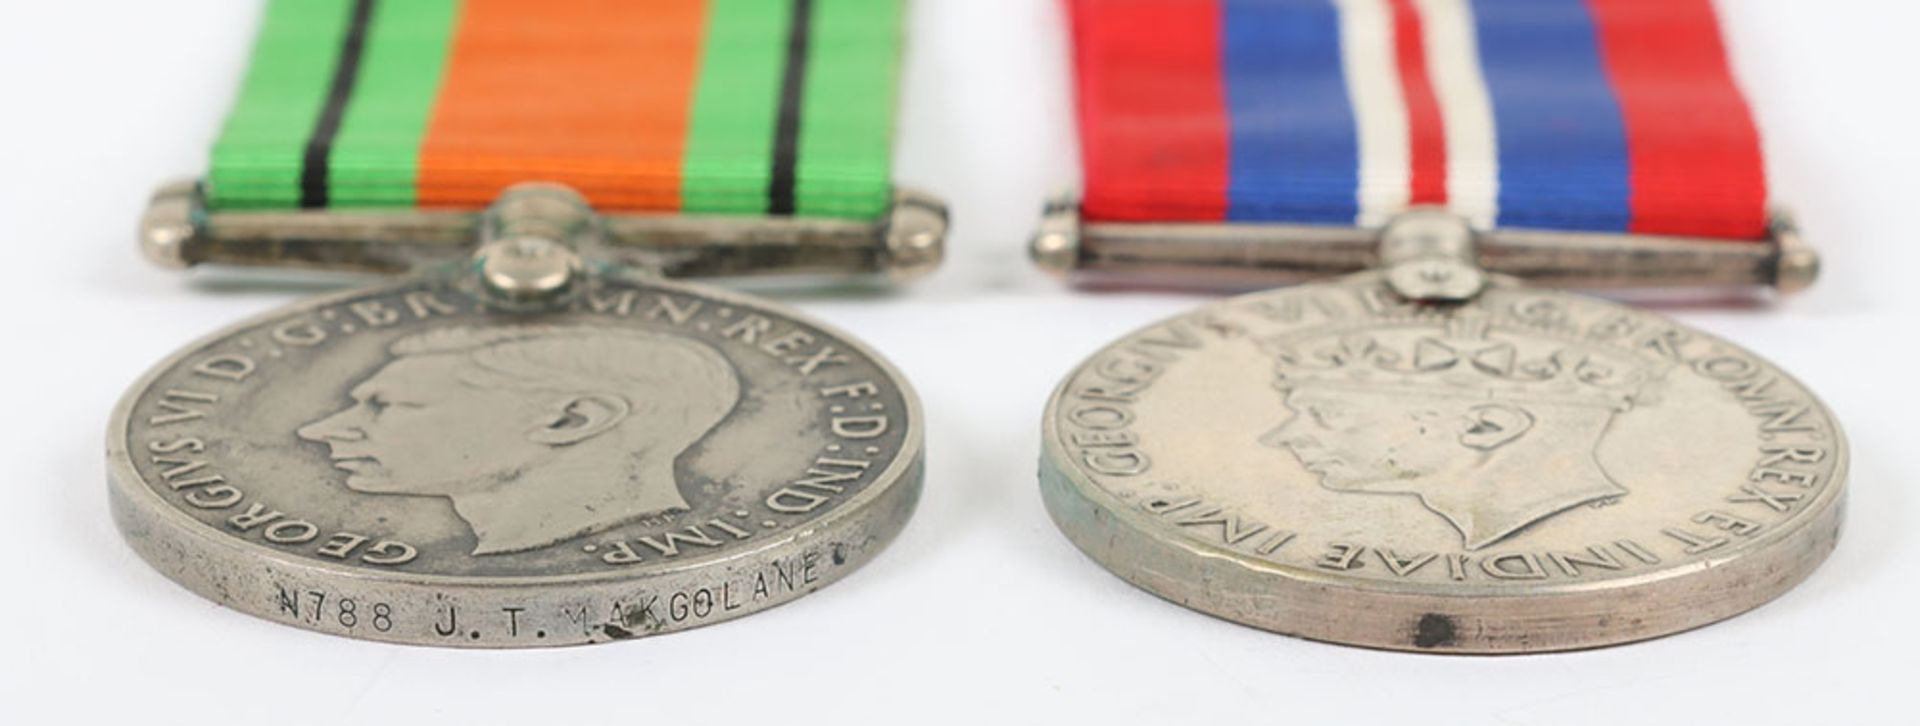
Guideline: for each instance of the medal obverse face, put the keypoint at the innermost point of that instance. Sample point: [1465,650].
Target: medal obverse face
[1531,471]
[403,464]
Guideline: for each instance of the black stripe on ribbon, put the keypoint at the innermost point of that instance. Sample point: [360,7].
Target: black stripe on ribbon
[786,135]
[346,71]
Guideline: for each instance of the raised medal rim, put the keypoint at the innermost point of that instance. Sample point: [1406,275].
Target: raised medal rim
[125,480]
[1131,523]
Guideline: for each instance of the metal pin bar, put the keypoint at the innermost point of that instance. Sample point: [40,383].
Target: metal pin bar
[1251,256]
[179,231]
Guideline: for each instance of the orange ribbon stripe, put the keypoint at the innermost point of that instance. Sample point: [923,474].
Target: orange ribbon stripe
[590,93]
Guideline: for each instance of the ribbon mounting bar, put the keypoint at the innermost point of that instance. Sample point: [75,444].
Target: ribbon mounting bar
[905,242]
[1247,256]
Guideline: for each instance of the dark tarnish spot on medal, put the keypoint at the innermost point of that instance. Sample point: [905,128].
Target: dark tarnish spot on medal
[632,619]
[1433,631]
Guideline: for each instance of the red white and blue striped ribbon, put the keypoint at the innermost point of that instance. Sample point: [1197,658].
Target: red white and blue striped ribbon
[1605,115]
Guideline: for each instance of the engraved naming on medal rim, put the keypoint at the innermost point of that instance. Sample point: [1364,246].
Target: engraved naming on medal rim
[411,466]
[1529,444]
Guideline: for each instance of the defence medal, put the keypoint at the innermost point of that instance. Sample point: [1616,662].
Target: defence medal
[538,435]
[1427,454]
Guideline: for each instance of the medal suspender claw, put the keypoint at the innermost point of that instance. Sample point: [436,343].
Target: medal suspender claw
[1423,447]
[537,434]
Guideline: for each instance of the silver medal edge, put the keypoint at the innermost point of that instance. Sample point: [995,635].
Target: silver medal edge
[1390,615]
[194,554]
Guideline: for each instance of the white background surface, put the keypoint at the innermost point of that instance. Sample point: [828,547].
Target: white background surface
[981,609]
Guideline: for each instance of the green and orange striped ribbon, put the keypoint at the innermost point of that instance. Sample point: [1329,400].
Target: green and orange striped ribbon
[698,106]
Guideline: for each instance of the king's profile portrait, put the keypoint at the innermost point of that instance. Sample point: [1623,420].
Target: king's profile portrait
[537,434]
[1492,430]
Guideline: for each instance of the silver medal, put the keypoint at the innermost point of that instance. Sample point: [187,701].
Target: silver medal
[1428,458]
[520,452]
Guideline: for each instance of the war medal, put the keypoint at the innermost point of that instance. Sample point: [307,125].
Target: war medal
[535,438]
[1431,455]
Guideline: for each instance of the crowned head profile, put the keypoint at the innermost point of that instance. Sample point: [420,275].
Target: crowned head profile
[1492,429]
